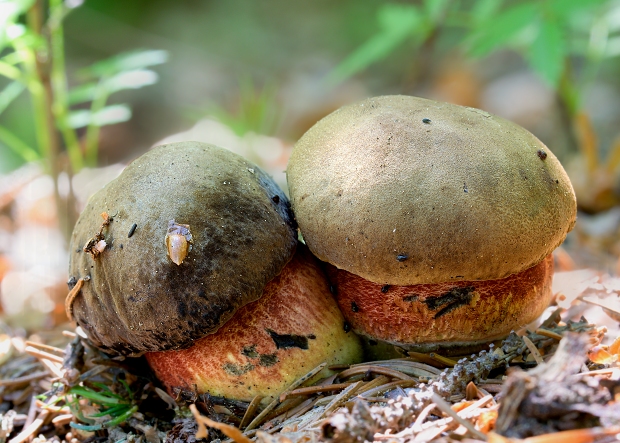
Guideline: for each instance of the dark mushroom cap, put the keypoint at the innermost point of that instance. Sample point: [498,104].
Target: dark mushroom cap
[137,298]
[268,344]
[403,190]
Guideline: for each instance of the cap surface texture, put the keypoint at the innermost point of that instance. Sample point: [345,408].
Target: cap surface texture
[403,190]
[233,221]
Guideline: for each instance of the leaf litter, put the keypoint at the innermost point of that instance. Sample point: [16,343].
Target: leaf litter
[556,380]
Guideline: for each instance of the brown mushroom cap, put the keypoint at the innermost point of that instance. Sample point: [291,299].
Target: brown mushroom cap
[137,298]
[403,190]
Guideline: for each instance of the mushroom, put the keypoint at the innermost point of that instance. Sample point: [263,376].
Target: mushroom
[268,344]
[194,245]
[438,221]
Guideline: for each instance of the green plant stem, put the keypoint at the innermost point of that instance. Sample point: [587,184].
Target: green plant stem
[568,103]
[68,213]
[568,92]
[41,123]
[10,93]
[93,130]
[59,84]
[41,90]
[43,99]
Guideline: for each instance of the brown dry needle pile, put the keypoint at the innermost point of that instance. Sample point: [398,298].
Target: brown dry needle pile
[525,387]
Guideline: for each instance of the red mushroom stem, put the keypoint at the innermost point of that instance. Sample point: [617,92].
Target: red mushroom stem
[268,344]
[450,313]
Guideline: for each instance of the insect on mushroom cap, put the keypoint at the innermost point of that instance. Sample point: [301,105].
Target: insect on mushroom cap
[210,235]
[178,240]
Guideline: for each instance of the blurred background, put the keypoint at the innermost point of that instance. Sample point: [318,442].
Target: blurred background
[86,86]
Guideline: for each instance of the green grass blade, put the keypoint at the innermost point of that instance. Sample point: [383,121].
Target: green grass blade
[10,71]
[95,396]
[125,62]
[113,411]
[10,93]
[17,145]
[121,418]
[547,52]
[90,428]
[106,389]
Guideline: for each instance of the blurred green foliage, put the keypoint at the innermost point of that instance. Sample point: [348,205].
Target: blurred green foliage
[32,60]
[250,61]
[398,24]
[257,109]
[553,36]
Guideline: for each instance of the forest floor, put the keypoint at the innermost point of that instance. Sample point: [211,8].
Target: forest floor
[558,378]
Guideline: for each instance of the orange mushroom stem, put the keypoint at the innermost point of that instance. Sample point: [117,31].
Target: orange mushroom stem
[268,344]
[451,314]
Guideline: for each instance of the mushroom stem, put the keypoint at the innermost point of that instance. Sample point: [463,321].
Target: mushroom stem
[269,343]
[443,315]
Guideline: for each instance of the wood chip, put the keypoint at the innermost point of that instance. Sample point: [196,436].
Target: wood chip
[276,401]
[533,350]
[407,366]
[443,360]
[24,379]
[250,411]
[31,429]
[42,355]
[62,420]
[572,436]
[314,390]
[490,387]
[424,358]
[548,333]
[372,384]
[388,387]
[417,425]
[374,369]
[45,347]
[336,402]
[54,368]
[297,411]
[228,430]
[611,306]
[445,407]
[172,404]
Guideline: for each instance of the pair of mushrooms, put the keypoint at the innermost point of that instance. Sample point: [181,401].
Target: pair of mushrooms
[435,224]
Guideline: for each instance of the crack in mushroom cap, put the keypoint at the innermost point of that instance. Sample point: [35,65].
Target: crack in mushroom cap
[403,190]
[137,299]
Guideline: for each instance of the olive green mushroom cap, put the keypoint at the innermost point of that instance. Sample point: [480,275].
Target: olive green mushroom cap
[232,223]
[403,190]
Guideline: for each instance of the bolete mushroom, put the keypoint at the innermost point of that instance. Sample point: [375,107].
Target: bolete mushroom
[195,240]
[438,220]
[268,344]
